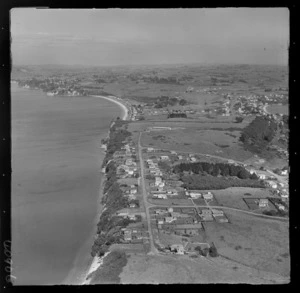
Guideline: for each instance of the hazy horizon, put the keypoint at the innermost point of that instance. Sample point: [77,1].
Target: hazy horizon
[133,37]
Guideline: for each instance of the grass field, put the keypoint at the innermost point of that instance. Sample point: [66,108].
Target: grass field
[198,140]
[233,197]
[163,269]
[259,243]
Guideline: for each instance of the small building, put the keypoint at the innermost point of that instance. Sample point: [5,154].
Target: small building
[170,210]
[206,212]
[132,217]
[284,172]
[281,207]
[170,219]
[263,203]
[177,248]
[132,205]
[180,157]
[160,221]
[217,212]
[127,235]
[262,176]
[164,158]
[207,196]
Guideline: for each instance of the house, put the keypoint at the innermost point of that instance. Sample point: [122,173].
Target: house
[161,184]
[158,180]
[132,205]
[177,248]
[164,158]
[272,184]
[207,196]
[173,153]
[170,210]
[263,203]
[195,194]
[127,235]
[193,159]
[206,212]
[281,184]
[217,212]
[284,195]
[160,221]
[161,196]
[150,149]
[284,172]
[124,214]
[281,207]
[262,176]
[180,157]
[170,219]
[132,217]
[133,191]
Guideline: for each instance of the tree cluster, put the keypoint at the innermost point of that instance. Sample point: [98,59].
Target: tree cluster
[208,182]
[258,134]
[214,169]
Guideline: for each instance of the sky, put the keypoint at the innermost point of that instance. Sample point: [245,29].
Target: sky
[109,37]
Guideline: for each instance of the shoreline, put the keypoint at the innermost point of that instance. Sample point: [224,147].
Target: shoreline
[113,99]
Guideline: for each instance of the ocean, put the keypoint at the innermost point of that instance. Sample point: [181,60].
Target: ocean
[56,164]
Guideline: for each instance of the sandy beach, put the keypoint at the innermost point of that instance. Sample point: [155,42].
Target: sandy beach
[97,261]
[114,100]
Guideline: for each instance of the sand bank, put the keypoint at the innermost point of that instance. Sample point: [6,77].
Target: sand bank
[96,264]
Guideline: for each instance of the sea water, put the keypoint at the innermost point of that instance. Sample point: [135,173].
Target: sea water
[56,172]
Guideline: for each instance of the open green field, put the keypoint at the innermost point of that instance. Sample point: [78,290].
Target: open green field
[233,197]
[177,269]
[258,243]
[224,143]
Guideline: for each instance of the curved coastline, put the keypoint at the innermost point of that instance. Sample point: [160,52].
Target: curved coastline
[97,261]
[113,99]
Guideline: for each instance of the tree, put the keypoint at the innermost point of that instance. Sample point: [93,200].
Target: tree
[243,174]
[253,176]
[213,251]
[239,119]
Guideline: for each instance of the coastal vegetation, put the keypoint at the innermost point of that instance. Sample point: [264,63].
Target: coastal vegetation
[112,266]
[109,225]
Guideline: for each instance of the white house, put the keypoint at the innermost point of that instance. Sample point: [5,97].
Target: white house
[207,196]
[262,176]
[170,219]
[164,158]
[178,248]
[263,202]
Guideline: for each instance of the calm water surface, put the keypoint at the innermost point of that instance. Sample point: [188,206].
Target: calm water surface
[56,161]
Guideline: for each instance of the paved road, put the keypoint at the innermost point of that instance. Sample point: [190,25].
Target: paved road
[153,250]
